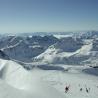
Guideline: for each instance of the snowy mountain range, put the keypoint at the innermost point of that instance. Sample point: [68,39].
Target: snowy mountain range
[41,65]
[80,48]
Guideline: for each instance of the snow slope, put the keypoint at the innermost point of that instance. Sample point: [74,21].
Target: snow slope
[76,78]
[54,55]
[16,82]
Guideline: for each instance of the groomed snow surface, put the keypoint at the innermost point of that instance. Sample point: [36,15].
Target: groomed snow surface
[17,82]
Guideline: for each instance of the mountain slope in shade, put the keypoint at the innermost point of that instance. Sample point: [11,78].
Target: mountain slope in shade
[25,48]
[3,55]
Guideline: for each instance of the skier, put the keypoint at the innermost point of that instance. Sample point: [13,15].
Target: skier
[80,89]
[87,90]
[67,89]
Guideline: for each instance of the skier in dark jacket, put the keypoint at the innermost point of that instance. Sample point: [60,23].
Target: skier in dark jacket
[67,89]
[81,89]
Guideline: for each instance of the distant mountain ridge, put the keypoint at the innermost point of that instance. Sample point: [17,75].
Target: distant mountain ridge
[79,48]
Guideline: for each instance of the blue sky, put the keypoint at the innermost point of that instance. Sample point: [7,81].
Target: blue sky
[48,15]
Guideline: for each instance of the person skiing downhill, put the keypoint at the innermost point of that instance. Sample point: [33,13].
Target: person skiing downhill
[67,89]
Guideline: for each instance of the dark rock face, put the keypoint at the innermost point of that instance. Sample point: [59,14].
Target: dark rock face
[3,55]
